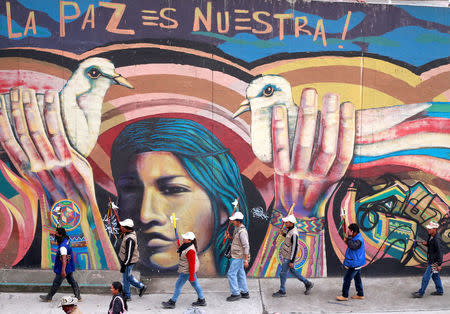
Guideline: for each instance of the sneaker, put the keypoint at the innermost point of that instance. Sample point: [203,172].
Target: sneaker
[142,291]
[245,295]
[417,295]
[169,304]
[233,297]
[79,298]
[341,298]
[436,293]
[128,299]
[308,287]
[45,298]
[279,294]
[358,297]
[199,302]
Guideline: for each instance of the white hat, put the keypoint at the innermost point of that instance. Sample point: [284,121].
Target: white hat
[432,225]
[127,223]
[237,215]
[289,218]
[68,300]
[188,236]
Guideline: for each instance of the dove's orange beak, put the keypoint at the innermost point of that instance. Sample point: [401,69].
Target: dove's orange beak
[120,80]
[244,107]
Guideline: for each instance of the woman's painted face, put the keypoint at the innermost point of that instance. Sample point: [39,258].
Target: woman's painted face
[150,193]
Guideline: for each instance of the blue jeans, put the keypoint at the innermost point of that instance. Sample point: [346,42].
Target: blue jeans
[237,277]
[128,279]
[284,274]
[349,275]
[182,278]
[426,279]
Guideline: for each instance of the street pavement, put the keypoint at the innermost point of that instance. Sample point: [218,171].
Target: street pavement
[383,295]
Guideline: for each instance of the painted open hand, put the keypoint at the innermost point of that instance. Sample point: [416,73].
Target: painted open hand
[38,147]
[319,156]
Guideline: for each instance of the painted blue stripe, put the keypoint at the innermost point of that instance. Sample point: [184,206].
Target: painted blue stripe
[439,114]
[443,153]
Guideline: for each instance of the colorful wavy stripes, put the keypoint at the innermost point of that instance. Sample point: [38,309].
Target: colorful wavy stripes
[443,153]
[18,223]
[435,166]
[429,125]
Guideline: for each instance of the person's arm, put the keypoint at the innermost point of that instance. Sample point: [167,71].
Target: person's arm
[246,246]
[63,252]
[438,250]
[129,250]
[294,240]
[191,261]
[353,244]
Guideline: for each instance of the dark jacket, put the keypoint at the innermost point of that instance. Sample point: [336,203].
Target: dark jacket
[117,305]
[434,245]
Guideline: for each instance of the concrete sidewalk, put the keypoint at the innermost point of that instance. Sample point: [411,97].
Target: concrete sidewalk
[382,295]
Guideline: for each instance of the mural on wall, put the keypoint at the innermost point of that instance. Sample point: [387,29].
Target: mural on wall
[338,110]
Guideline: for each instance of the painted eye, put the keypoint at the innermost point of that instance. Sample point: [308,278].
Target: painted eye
[94,73]
[268,91]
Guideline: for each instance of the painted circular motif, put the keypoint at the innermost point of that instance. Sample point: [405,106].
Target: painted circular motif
[302,254]
[66,214]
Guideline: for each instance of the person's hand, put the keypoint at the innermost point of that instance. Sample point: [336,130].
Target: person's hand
[63,274]
[245,264]
[291,265]
[122,268]
[439,268]
[227,235]
[318,159]
[38,148]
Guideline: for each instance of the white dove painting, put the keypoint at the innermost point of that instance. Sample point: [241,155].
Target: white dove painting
[81,101]
[267,91]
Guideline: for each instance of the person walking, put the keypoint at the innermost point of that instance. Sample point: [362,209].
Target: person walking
[434,256]
[64,266]
[118,304]
[355,259]
[187,267]
[240,257]
[289,251]
[69,305]
[129,256]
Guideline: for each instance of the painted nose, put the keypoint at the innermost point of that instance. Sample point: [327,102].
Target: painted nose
[154,208]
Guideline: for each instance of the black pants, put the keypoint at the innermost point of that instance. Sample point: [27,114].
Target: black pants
[58,281]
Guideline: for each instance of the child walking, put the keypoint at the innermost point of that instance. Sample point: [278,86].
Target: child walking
[187,267]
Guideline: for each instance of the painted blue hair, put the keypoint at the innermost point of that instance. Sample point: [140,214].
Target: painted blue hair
[205,159]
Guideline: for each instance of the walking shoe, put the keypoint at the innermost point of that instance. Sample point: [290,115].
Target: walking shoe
[279,294]
[45,298]
[79,298]
[309,285]
[169,304]
[341,298]
[142,290]
[358,297]
[436,293]
[199,302]
[417,295]
[128,299]
[233,297]
[245,295]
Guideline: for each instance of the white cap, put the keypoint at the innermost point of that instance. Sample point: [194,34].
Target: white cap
[188,236]
[289,218]
[127,223]
[237,215]
[432,225]
[68,300]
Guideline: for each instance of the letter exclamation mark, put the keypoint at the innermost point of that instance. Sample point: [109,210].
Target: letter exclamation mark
[344,33]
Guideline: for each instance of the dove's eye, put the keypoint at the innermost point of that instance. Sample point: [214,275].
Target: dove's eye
[268,91]
[94,73]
